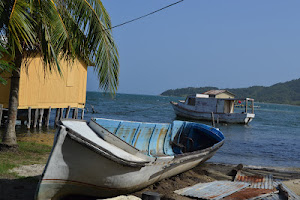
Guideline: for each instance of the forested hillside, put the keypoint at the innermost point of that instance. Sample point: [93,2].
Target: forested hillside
[284,93]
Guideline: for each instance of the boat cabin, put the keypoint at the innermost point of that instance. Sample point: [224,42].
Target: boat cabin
[204,103]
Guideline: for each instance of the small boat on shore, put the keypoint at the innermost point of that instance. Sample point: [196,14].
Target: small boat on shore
[105,158]
[203,107]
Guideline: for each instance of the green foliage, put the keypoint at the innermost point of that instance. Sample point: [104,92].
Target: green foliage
[32,147]
[28,153]
[5,66]
[284,93]
[5,167]
[60,29]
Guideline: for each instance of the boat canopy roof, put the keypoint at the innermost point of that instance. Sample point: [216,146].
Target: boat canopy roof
[201,96]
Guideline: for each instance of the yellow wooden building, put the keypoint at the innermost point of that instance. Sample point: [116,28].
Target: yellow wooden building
[42,89]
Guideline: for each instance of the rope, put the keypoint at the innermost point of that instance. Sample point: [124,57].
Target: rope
[145,15]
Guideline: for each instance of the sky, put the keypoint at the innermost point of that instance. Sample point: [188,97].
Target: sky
[198,43]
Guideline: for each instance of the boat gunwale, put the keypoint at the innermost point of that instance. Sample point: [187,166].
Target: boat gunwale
[98,149]
[192,156]
[113,135]
[208,149]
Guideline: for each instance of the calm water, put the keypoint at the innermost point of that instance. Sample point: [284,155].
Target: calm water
[271,139]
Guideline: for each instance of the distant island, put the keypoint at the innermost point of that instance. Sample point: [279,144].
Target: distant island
[282,93]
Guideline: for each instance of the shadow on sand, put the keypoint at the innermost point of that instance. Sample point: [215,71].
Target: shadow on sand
[17,189]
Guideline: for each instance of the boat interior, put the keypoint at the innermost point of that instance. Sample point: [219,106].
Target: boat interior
[158,139]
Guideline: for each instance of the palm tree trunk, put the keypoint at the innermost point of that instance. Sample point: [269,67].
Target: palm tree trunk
[9,139]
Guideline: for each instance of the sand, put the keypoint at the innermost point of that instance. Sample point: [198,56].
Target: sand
[24,188]
[294,185]
[29,170]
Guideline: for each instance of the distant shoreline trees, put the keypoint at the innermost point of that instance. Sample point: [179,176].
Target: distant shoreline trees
[282,93]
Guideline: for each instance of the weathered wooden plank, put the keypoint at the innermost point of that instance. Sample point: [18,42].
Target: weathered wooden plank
[213,119]
[48,117]
[67,112]
[41,117]
[61,114]
[75,113]
[1,111]
[36,114]
[82,113]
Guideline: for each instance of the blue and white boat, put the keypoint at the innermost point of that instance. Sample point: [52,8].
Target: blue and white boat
[105,158]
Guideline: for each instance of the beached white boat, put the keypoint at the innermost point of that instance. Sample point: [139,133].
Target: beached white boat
[105,158]
[202,107]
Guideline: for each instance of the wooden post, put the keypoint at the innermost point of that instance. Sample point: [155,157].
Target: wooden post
[1,111]
[75,113]
[82,113]
[41,117]
[67,112]
[93,109]
[61,114]
[29,118]
[48,117]
[213,119]
[36,114]
[56,116]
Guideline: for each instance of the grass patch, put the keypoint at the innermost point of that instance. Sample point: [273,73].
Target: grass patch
[28,153]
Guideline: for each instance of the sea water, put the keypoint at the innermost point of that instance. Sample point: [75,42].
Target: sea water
[271,139]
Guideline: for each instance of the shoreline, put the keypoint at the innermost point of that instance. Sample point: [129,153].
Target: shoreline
[25,187]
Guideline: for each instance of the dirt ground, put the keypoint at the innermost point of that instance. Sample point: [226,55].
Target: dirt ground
[24,188]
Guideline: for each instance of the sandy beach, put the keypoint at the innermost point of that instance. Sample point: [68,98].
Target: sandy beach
[24,188]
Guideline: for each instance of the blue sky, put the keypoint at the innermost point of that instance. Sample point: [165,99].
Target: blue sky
[197,43]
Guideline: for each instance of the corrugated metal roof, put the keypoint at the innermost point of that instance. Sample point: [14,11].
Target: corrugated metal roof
[256,181]
[213,190]
[271,197]
[249,193]
[216,92]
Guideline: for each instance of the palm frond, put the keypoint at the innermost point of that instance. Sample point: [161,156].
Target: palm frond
[21,26]
[94,23]
[63,28]
[5,64]
[51,31]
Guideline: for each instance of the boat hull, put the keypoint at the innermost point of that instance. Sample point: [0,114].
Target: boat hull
[76,167]
[239,118]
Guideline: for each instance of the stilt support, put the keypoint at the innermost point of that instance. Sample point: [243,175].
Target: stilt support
[48,117]
[29,118]
[36,115]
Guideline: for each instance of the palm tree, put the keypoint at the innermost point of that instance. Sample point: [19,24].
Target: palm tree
[55,29]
